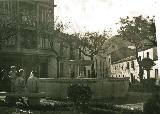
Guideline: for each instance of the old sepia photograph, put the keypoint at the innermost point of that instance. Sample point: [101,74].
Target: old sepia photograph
[79,57]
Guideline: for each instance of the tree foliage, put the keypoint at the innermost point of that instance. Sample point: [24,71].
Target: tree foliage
[152,105]
[137,30]
[141,32]
[147,63]
[79,94]
[93,42]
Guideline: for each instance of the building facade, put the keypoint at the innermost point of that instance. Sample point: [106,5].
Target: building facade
[128,67]
[29,24]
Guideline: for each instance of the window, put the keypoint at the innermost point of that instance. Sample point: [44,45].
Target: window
[147,54]
[28,14]
[148,74]
[44,70]
[122,67]
[132,64]
[139,58]
[103,69]
[62,70]
[96,65]
[85,71]
[100,64]
[89,73]
[72,55]
[109,60]
[123,75]
[44,42]
[42,15]
[127,65]
[115,68]
[156,73]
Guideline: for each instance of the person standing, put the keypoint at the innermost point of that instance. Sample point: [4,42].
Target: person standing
[13,76]
[20,81]
[20,85]
[33,82]
[33,87]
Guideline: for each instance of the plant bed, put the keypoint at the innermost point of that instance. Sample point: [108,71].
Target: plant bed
[107,108]
[67,107]
[14,110]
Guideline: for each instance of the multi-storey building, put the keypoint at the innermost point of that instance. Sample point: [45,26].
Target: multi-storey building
[29,48]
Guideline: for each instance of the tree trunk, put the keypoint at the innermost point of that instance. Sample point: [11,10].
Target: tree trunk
[92,68]
[58,60]
[148,74]
[141,72]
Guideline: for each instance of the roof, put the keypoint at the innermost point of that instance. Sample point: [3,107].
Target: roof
[122,53]
[133,57]
[125,59]
[116,43]
[145,48]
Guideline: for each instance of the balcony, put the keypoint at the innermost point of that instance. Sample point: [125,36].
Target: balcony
[29,39]
[28,22]
[28,15]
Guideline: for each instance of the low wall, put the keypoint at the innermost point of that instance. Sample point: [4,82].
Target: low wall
[101,88]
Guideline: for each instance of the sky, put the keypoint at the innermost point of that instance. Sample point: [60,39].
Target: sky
[99,15]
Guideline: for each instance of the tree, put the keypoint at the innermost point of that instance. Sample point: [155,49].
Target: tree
[91,44]
[147,64]
[80,95]
[139,31]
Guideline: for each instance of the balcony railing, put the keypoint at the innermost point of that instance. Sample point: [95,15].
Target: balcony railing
[28,21]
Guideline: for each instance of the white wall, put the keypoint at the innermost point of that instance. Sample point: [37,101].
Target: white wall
[152,72]
[143,54]
[121,73]
[127,73]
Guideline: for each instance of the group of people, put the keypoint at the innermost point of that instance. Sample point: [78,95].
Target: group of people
[15,81]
